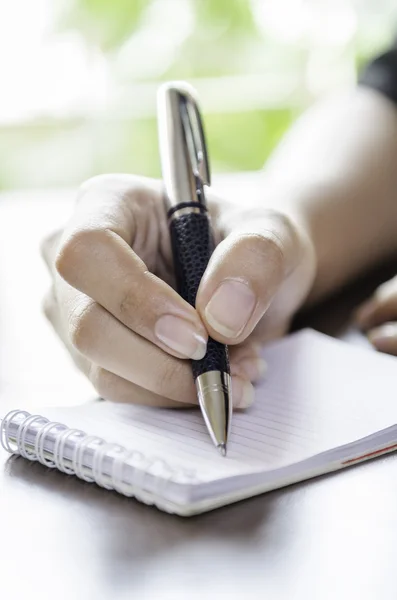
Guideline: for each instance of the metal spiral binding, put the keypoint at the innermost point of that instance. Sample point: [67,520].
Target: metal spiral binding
[16,442]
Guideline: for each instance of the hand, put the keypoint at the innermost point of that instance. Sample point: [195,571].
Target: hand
[113,304]
[378,317]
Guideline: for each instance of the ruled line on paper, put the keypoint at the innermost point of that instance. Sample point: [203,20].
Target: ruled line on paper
[252,432]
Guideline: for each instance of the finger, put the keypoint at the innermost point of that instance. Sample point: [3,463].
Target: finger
[246,361]
[381,307]
[106,342]
[248,349]
[384,338]
[252,369]
[95,257]
[116,389]
[245,272]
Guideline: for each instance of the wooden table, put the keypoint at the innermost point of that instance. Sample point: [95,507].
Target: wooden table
[334,537]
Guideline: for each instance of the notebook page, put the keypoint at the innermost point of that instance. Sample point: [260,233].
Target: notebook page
[319,393]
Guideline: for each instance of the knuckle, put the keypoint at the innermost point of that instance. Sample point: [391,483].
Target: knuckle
[98,182]
[130,306]
[263,246]
[174,381]
[68,255]
[74,250]
[82,324]
[270,235]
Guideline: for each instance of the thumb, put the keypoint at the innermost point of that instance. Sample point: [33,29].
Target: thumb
[245,272]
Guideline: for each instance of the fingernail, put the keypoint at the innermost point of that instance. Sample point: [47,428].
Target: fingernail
[180,336]
[242,392]
[384,337]
[230,308]
[365,312]
[252,368]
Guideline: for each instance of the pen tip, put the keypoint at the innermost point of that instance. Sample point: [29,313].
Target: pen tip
[222,449]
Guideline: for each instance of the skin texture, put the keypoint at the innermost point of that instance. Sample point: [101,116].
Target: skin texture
[325,211]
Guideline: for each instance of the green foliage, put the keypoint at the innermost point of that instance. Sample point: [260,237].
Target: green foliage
[229,17]
[105,23]
[243,141]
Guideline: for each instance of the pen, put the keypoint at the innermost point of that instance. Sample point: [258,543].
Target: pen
[186,174]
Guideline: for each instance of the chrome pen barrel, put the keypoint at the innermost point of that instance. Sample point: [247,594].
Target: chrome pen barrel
[215,399]
[184,161]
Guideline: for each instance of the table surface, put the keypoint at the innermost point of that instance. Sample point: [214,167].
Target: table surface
[333,537]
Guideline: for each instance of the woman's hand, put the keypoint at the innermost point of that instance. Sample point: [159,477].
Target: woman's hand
[113,304]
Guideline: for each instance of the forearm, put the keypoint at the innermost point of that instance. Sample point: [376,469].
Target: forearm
[336,172]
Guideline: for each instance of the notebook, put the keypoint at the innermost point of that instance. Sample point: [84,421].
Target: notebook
[324,405]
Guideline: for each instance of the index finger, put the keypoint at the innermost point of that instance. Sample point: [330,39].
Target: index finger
[120,221]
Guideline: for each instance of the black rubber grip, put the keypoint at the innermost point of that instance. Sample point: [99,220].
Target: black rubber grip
[192,246]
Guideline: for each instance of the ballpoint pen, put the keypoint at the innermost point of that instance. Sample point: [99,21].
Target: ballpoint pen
[186,174]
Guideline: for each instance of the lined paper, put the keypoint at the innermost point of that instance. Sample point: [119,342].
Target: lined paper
[319,393]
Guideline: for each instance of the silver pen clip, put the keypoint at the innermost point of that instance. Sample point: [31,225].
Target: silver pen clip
[183,151]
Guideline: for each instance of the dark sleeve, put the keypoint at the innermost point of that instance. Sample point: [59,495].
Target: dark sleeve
[381,74]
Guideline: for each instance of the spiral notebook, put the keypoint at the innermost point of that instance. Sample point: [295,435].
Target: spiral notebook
[324,405]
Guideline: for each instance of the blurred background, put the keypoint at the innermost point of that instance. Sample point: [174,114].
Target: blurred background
[79,77]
